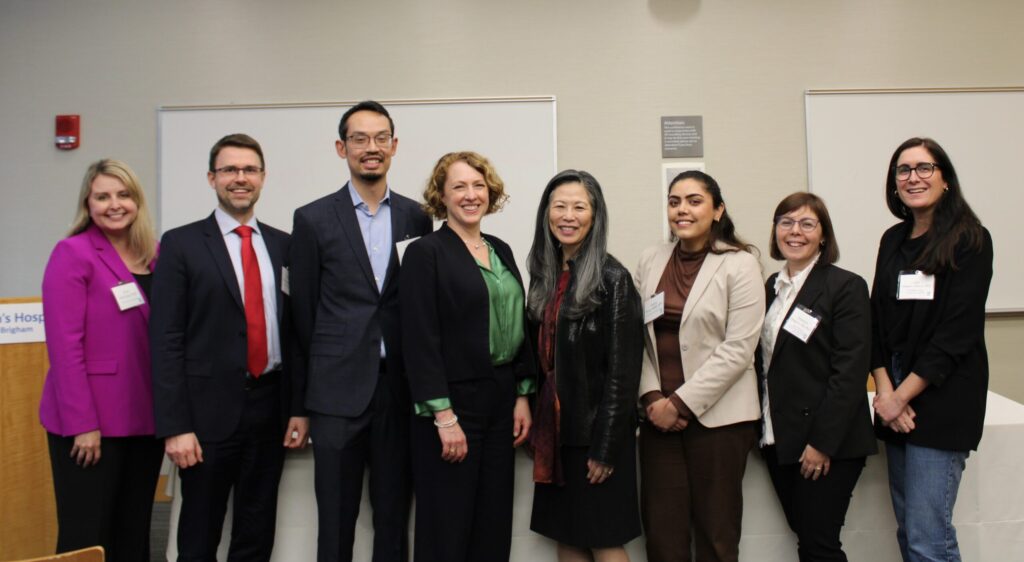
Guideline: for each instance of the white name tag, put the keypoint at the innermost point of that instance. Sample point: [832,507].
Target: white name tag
[801,323]
[128,296]
[286,286]
[915,286]
[654,308]
[402,246]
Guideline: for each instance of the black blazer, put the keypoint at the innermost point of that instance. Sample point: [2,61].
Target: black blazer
[817,389]
[198,334]
[446,315]
[946,346]
[339,315]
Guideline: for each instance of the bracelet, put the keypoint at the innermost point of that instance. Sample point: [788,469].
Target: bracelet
[447,424]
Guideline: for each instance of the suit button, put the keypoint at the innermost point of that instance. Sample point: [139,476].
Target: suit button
[685,348]
[806,411]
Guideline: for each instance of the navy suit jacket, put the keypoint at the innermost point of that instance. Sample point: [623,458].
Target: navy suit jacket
[198,334]
[817,389]
[339,315]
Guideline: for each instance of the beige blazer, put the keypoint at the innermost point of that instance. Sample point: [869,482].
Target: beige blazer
[720,327]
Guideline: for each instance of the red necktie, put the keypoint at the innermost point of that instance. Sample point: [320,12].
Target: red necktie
[255,321]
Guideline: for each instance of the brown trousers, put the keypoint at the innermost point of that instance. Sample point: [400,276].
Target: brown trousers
[693,479]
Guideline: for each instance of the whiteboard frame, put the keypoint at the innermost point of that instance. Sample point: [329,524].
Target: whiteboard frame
[1001,245]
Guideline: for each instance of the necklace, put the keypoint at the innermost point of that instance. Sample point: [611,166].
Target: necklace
[475,246]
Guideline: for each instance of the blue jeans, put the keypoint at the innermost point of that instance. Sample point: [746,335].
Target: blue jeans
[923,483]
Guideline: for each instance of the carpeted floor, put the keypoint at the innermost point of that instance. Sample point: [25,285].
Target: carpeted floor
[158,531]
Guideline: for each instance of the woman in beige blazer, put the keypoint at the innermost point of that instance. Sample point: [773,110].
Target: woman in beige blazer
[705,304]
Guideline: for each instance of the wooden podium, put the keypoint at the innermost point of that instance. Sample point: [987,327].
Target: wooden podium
[28,513]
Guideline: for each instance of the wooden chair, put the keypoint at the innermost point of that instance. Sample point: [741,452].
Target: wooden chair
[91,554]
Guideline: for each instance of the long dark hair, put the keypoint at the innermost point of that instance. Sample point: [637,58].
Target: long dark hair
[545,260]
[723,230]
[952,219]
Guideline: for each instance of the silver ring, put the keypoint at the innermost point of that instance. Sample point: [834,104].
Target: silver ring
[817,468]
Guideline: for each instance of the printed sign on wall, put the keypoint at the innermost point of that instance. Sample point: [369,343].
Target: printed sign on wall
[21,323]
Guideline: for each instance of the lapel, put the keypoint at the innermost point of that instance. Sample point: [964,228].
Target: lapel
[651,279]
[808,295]
[106,254]
[219,252]
[271,242]
[712,263]
[350,227]
[399,232]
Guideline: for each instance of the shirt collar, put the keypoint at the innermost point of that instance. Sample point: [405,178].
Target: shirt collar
[797,280]
[227,223]
[357,200]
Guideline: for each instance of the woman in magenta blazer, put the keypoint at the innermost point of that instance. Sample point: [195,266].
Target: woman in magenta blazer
[97,399]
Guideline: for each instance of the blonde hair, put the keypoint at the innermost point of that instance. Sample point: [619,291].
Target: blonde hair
[141,234]
[433,194]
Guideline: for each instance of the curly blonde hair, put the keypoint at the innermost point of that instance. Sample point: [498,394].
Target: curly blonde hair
[434,192]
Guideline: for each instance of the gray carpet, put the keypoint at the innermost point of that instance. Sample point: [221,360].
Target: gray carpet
[159,527]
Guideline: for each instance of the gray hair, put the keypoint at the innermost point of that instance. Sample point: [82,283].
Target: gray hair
[545,260]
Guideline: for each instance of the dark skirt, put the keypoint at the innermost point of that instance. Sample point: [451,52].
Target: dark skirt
[588,515]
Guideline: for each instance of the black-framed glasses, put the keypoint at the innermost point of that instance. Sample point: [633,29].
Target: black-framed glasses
[924,170]
[359,140]
[233,170]
[786,223]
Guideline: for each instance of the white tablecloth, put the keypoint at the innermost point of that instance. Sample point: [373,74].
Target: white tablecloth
[989,513]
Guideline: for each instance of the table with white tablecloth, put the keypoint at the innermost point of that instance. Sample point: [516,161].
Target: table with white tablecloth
[989,513]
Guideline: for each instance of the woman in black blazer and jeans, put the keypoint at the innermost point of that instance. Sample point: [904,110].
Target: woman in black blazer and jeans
[813,365]
[928,352]
[469,365]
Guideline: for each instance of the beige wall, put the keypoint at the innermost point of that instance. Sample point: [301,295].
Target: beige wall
[616,66]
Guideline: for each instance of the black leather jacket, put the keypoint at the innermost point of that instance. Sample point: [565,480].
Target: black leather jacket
[597,365]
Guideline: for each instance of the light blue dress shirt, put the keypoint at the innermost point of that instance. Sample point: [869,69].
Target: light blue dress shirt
[376,231]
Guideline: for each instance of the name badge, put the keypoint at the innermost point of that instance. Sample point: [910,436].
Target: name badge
[654,308]
[915,286]
[286,286]
[802,322]
[128,296]
[402,246]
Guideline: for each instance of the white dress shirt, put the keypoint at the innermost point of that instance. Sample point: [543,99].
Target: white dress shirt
[233,241]
[786,290]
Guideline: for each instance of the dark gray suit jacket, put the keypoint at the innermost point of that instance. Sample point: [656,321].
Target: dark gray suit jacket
[339,315]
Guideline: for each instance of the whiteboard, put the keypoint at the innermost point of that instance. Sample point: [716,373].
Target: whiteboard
[851,135]
[517,135]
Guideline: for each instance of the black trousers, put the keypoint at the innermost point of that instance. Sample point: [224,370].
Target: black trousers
[110,503]
[343,448]
[815,509]
[464,510]
[250,462]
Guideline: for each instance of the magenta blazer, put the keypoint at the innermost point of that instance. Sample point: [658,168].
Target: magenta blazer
[99,374]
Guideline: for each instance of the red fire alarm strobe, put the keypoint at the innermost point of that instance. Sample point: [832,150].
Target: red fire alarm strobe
[67,132]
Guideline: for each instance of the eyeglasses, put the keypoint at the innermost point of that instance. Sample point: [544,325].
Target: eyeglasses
[359,140]
[924,170]
[786,223]
[233,170]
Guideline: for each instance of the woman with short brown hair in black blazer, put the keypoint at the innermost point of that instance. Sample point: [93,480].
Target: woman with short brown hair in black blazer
[928,355]
[812,364]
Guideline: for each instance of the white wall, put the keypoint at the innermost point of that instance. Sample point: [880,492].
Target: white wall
[616,66]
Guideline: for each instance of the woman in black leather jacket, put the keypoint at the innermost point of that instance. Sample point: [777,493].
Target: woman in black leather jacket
[585,316]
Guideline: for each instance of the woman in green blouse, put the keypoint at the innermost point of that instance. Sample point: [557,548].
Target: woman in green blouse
[469,366]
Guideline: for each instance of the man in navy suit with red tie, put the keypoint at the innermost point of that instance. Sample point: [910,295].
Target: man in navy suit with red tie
[225,399]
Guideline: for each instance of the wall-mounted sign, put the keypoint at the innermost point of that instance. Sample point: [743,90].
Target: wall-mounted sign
[682,136]
[21,323]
